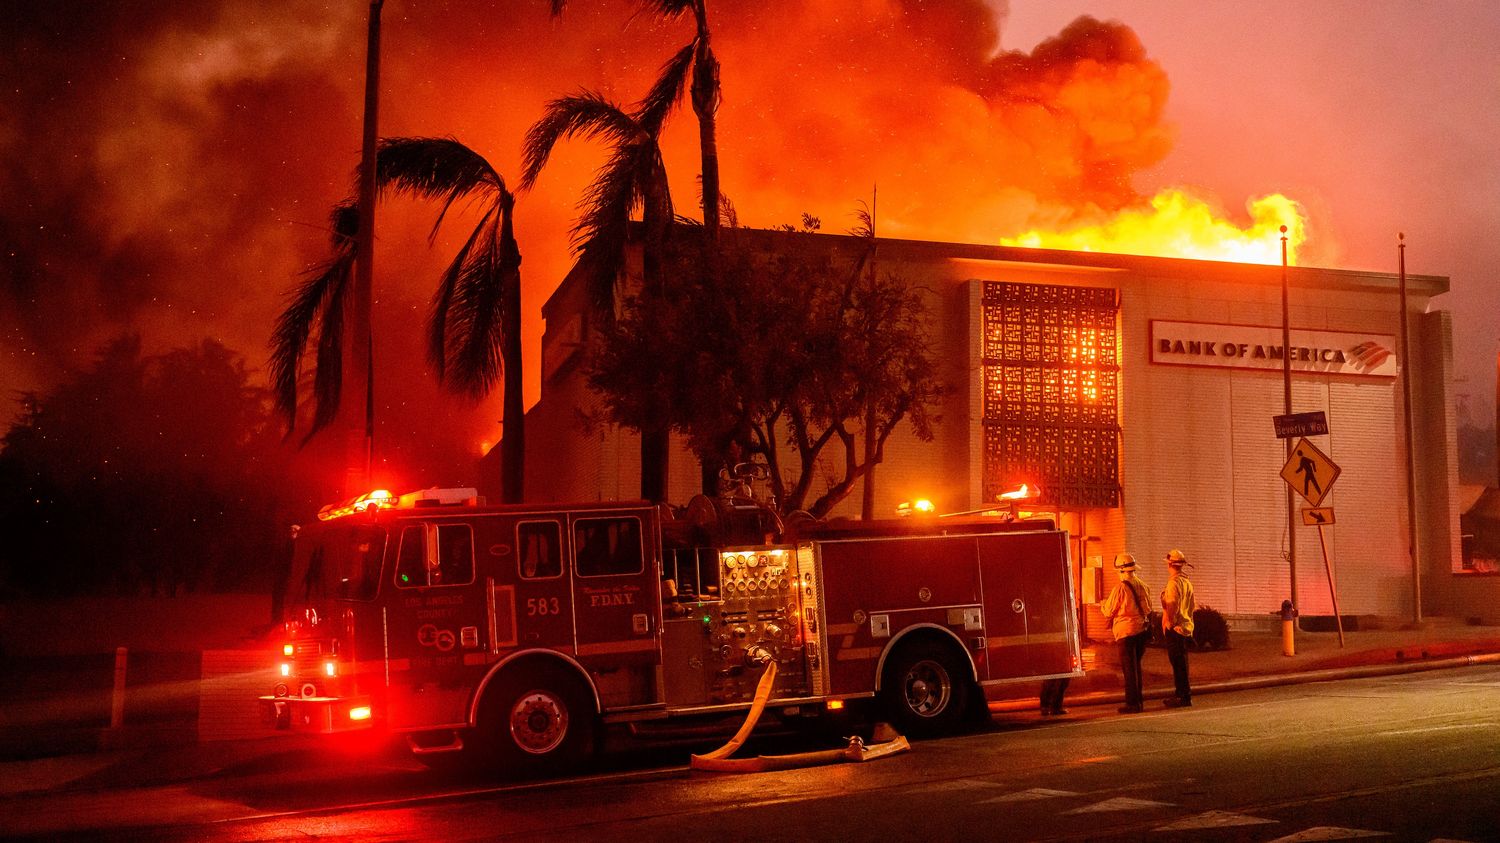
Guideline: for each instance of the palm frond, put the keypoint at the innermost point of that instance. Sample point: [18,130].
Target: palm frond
[328,371]
[434,168]
[477,314]
[864,222]
[669,9]
[469,311]
[601,231]
[585,114]
[320,293]
[666,93]
[617,189]
[442,300]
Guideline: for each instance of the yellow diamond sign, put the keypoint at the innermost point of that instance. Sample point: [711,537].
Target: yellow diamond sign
[1310,472]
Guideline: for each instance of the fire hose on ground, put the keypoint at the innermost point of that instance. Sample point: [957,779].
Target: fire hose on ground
[719,760]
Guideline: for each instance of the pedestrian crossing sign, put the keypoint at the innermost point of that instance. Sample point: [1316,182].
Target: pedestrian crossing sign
[1310,472]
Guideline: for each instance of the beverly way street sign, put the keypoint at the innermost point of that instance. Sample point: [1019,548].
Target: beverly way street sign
[1310,472]
[1293,425]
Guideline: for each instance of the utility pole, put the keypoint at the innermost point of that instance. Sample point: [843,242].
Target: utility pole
[1411,462]
[361,430]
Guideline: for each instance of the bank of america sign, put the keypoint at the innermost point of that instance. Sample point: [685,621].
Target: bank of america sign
[1260,347]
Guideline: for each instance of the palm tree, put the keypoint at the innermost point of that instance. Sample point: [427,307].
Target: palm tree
[474,331]
[633,177]
[698,58]
[697,55]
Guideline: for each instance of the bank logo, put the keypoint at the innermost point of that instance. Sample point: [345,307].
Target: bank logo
[1262,347]
[1369,355]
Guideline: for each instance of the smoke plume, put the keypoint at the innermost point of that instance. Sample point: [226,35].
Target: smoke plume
[169,165]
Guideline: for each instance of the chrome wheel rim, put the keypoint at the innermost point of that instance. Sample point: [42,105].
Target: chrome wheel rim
[539,722]
[927,688]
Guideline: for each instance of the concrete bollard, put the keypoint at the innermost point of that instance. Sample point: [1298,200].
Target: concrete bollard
[117,702]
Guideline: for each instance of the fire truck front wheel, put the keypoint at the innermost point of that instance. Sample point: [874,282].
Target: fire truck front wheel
[925,689]
[539,719]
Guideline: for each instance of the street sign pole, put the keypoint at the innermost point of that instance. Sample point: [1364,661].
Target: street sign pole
[1333,591]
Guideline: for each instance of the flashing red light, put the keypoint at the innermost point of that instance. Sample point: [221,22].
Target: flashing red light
[361,712]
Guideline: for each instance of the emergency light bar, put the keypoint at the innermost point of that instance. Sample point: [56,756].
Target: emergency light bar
[382,499]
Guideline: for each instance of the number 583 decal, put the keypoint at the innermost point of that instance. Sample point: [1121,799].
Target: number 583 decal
[542,606]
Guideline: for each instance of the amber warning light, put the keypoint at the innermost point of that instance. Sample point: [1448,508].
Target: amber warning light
[919,507]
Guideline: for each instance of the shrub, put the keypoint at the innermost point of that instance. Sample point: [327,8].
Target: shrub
[1210,630]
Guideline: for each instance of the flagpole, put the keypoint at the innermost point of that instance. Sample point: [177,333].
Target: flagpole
[1411,481]
[1286,402]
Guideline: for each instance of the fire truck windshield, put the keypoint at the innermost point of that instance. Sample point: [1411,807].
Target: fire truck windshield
[341,562]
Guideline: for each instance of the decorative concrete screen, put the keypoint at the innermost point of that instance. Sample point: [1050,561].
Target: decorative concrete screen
[1051,393]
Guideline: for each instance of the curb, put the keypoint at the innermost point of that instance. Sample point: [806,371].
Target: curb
[1252,682]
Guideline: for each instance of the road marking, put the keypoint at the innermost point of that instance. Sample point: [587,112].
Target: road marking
[959,784]
[1448,728]
[1215,819]
[1029,795]
[1119,803]
[1328,832]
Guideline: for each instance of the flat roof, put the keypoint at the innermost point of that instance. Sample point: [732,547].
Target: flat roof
[1139,265]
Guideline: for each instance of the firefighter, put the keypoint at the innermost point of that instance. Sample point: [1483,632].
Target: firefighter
[1128,608]
[1177,626]
[1052,696]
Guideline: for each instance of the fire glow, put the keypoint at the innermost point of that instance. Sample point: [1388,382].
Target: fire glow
[1179,225]
[968,138]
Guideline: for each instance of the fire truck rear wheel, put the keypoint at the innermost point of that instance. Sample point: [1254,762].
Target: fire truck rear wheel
[926,689]
[539,719]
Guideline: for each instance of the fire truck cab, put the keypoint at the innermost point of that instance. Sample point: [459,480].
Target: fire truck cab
[515,634]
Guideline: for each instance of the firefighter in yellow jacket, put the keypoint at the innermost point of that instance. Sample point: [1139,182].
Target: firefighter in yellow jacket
[1128,608]
[1177,607]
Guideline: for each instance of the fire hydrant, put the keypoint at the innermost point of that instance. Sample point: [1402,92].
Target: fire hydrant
[1288,619]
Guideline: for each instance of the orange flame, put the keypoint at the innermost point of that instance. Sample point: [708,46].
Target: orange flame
[1180,225]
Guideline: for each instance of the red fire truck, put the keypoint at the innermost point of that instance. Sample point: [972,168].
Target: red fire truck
[516,634]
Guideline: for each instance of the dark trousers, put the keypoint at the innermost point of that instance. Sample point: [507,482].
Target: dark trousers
[1052,694]
[1132,649]
[1177,653]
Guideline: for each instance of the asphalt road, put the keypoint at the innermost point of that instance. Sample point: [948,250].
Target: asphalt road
[1410,757]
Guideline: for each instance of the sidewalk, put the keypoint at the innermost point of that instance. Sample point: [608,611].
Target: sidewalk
[1255,659]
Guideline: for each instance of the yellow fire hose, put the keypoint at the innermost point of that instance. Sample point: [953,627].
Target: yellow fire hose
[719,760]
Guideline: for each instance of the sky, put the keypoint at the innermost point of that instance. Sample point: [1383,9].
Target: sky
[169,166]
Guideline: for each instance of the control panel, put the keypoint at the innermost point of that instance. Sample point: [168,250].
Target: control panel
[755,573]
[759,618]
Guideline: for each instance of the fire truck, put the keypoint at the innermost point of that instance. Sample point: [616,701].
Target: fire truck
[515,635]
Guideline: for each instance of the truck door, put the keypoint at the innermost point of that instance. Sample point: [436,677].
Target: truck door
[617,605]
[1029,607]
[534,602]
[438,616]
